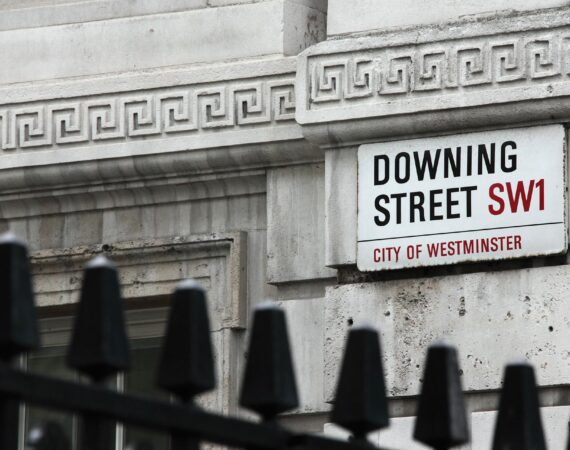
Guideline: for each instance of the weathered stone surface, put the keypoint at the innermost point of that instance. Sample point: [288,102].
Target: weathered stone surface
[491,317]
[341,185]
[305,320]
[218,262]
[37,13]
[295,224]
[150,41]
[368,15]
[180,208]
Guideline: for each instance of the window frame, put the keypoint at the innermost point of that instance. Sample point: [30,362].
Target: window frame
[55,331]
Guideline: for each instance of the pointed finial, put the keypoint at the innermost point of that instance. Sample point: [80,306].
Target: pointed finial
[99,346]
[360,403]
[441,421]
[187,364]
[48,436]
[519,425]
[18,323]
[269,386]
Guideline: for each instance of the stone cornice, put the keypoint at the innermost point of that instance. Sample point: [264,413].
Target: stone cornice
[511,70]
[174,122]
[186,112]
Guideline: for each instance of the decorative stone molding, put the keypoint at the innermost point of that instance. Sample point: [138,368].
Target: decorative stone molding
[487,69]
[202,114]
[186,121]
[151,268]
[439,69]
[127,195]
[158,113]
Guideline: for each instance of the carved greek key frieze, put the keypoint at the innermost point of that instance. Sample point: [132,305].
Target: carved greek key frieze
[158,113]
[383,75]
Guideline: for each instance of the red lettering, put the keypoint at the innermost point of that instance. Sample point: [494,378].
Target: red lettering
[520,195]
[433,250]
[501,204]
[540,186]
[377,257]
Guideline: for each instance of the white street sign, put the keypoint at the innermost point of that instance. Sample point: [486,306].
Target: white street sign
[470,197]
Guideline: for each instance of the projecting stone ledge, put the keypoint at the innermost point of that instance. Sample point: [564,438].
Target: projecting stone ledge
[506,70]
[179,121]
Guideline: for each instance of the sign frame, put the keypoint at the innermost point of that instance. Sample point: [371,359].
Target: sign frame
[548,183]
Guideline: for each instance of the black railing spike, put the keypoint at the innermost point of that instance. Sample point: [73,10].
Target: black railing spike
[18,324]
[441,421]
[186,366]
[99,346]
[519,426]
[47,436]
[360,403]
[269,386]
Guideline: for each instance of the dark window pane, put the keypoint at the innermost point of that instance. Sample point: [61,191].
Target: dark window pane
[140,380]
[50,362]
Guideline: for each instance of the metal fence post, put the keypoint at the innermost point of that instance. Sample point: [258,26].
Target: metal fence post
[186,366]
[360,402]
[18,326]
[441,421]
[268,386]
[99,347]
[519,426]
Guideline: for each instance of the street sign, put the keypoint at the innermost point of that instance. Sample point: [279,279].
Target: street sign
[470,197]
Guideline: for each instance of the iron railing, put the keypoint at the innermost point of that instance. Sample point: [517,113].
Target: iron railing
[99,350]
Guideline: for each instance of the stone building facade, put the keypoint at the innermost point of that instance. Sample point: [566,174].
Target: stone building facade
[218,139]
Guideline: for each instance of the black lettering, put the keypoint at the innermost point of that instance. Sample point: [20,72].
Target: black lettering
[377,180]
[427,163]
[417,204]
[381,209]
[468,191]
[512,166]
[398,167]
[398,198]
[433,204]
[469,160]
[452,162]
[451,203]
[489,158]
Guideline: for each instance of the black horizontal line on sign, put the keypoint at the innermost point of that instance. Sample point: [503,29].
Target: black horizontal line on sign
[463,231]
